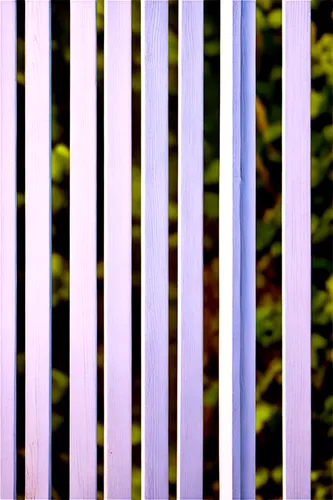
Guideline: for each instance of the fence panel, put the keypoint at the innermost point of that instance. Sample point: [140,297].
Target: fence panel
[237,250]
[117,250]
[8,251]
[296,248]
[83,279]
[154,235]
[190,252]
[38,284]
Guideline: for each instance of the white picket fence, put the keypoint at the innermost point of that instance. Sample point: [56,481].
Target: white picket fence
[237,250]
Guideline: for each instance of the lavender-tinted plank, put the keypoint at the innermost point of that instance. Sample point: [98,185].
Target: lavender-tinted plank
[38,248]
[83,284]
[248,250]
[117,251]
[230,252]
[8,249]
[154,269]
[190,252]
[296,248]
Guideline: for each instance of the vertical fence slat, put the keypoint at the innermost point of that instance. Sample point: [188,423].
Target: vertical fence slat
[7,248]
[117,250]
[154,269]
[38,248]
[190,252]
[83,284]
[248,250]
[230,252]
[296,248]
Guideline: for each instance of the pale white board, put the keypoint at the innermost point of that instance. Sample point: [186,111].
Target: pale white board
[117,249]
[237,251]
[83,279]
[154,236]
[229,254]
[190,252]
[296,248]
[38,282]
[8,249]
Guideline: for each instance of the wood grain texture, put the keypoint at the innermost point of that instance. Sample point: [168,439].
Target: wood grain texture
[190,253]
[296,248]
[8,249]
[248,250]
[230,252]
[154,231]
[83,280]
[118,250]
[38,252]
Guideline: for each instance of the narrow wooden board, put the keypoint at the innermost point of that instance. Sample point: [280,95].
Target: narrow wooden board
[83,266]
[190,252]
[154,236]
[117,249]
[296,248]
[8,252]
[38,251]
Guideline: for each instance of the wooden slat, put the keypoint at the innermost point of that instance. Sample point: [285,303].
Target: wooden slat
[7,249]
[154,231]
[117,250]
[38,248]
[248,250]
[230,253]
[237,250]
[296,249]
[83,280]
[190,252]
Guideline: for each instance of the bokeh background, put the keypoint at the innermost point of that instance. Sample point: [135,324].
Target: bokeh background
[268,161]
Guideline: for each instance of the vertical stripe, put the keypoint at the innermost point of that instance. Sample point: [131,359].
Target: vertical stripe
[117,250]
[296,249]
[248,250]
[154,234]
[8,248]
[230,252]
[83,281]
[190,252]
[38,248]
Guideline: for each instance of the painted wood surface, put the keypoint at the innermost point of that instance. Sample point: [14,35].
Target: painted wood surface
[190,252]
[38,251]
[229,253]
[296,248]
[117,249]
[248,250]
[8,252]
[154,237]
[237,251]
[83,279]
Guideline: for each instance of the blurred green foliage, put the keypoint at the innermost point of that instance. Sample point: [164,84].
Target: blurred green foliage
[269,349]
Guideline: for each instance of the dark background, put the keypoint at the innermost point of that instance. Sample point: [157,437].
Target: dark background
[269,348]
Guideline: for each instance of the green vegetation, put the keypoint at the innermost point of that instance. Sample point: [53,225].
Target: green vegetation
[269,348]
